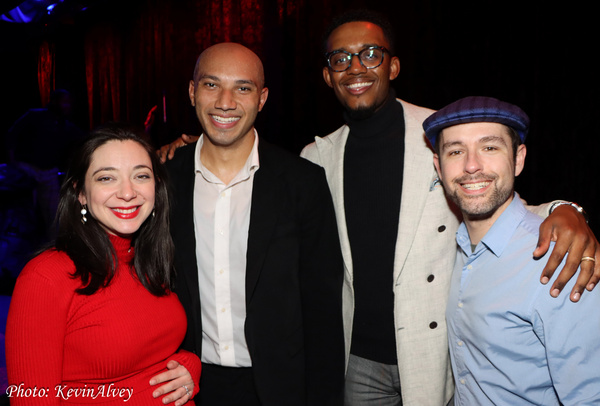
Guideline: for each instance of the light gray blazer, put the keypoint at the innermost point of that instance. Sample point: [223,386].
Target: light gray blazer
[424,258]
[423,263]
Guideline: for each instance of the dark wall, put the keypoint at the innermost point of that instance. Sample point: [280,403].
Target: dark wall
[529,53]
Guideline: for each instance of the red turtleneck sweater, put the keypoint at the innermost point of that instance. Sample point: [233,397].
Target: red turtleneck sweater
[62,347]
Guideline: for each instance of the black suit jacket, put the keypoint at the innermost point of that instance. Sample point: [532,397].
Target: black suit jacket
[294,277]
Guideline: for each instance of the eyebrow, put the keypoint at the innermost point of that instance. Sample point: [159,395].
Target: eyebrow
[451,143]
[364,46]
[237,81]
[111,168]
[482,140]
[489,138]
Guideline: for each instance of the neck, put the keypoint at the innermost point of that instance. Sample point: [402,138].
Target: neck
[378,122]
[226,161]
[477,229]
[478,226]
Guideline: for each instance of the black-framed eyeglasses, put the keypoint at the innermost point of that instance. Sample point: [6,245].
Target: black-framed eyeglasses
[370,58]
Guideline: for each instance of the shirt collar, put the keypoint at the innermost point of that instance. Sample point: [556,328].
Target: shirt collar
[499,235]
[252,163]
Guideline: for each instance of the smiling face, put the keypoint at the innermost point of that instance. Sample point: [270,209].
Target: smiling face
[360,89]
[228,92]
[119,187]
[477,166]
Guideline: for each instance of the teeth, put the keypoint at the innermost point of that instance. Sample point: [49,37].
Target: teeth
[126,211]
[475,186]
[225,120]
[359,85]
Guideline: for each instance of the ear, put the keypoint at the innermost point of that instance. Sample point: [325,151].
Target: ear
[436,163]
[82,199]
[191,92]
[520,159]
[327,76]
[394,67]
[264,94]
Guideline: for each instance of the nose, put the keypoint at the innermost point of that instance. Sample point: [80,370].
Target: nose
[356,65]
[127,191]
[472,163]
[226,100]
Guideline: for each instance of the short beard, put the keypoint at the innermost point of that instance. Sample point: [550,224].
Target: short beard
[361,113]
[485,209]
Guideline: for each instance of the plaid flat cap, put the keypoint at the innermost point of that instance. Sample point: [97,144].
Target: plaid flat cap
[477,109]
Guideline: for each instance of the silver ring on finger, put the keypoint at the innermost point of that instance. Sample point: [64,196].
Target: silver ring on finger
[187,391]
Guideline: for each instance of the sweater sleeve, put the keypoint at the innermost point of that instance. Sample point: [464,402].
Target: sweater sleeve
[35,331]
[192,363]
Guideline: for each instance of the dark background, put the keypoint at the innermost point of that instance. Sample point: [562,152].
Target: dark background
[120,58]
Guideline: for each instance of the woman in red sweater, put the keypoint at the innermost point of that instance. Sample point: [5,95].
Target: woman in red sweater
[93,320]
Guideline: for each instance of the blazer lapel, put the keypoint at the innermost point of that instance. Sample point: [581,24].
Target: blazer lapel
[332,149]
[183,219]
[417,179]
[264,212]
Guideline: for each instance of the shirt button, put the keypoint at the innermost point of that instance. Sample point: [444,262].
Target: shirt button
[430,278]
[441,229]
[460,343]
[432,325]
[460,304]
[469,267]
[462,381]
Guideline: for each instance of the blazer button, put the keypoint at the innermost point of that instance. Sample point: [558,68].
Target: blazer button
[433,325]
[430,278]
[441,229]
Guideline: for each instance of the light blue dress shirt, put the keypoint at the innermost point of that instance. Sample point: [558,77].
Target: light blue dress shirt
[511,343]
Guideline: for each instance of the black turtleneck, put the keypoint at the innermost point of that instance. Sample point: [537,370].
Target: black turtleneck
[373,164]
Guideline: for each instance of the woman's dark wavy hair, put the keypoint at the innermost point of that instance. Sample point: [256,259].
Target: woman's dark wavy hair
[88,244]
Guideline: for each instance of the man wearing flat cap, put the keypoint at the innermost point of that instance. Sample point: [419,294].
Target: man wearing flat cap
[396,229]
[510,342]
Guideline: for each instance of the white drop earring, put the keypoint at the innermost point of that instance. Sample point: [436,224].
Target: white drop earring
[83,213]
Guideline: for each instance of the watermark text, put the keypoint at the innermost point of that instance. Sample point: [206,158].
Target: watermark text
[67,392]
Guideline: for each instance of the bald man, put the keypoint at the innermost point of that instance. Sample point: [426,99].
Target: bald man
[257,252]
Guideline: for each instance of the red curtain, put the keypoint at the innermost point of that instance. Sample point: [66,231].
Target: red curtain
[102,68]
[135,56]
[122,62]
[46,71]
[146,54]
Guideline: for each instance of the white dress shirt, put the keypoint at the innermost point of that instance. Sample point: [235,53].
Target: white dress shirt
[221,221]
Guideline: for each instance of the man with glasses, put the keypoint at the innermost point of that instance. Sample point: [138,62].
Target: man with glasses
[370,58]
[396,229]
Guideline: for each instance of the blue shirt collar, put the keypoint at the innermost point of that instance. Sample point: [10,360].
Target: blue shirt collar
[499,235]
